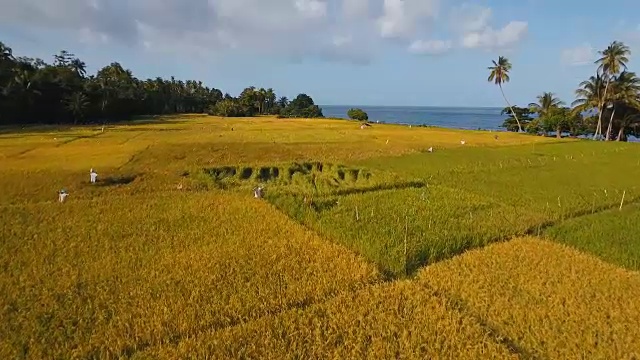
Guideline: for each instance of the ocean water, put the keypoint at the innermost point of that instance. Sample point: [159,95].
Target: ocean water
[450,117]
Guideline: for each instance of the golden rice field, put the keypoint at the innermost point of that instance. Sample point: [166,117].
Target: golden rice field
[489,303]
[105,277]
[547,299]
[353,253]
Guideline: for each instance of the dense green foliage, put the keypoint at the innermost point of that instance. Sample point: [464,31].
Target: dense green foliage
[32,91]
[253,102]
[613,93]
[357,114]
[523,116]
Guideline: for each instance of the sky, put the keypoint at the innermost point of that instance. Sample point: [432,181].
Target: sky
[340,52]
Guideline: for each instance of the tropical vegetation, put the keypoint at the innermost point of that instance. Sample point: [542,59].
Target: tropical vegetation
[609,99]
[357,114]
[33,91]
[499,75]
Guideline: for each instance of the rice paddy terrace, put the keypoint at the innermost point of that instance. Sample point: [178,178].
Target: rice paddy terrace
[365,244]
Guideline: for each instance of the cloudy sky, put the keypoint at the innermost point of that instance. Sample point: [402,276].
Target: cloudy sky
[360,52]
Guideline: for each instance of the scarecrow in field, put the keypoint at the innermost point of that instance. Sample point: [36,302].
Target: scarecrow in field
[257,192]
[93,175]
[62,195]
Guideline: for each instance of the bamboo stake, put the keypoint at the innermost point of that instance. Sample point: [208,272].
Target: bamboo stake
[406,230]
[622,202]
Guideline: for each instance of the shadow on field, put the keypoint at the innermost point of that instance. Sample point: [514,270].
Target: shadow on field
[117,180]
[161,119]
[307,173]
[380,187]
[152,129]
[34,129]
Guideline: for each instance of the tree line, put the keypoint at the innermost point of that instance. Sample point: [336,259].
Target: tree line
[61,92]
[607,105]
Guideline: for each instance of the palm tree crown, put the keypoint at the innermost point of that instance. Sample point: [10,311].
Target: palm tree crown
[613,59]
[546,101]
[589,94]
[500,71]
[627,89]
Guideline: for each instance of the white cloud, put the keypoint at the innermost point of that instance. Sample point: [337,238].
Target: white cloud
[430,47]
[394,22]
[275,26]
[402,18]
[489,38]
[355,8]
[468,18]
[338,30]
[311,8]
[579,55]
[88,36]
[342,40]
[473,25]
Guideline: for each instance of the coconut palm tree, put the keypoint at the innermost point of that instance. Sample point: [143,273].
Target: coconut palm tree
[77,103]
[283,102]
[589,94]
[629,120]
[499,75]
[260,100]
[23,85]
[546,101]
[612,61]
[270,100]
[23,90]
[79,67]
[625,91]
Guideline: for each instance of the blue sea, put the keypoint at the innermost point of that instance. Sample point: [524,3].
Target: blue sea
[450,117]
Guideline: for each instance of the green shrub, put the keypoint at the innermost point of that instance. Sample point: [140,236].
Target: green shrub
[357,114]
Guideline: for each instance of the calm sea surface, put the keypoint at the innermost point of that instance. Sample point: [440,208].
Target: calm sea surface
[450,117]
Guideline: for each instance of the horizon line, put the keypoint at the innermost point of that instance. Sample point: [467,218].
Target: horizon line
[416,106]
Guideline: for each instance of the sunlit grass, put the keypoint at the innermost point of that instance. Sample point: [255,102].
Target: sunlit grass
[470,197]
[238,140]
[399,320]
[111,275]
[551,301]
[169,255]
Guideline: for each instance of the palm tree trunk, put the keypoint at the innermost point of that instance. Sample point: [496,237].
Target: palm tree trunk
[609,128]
[601,110]
[598,130]
[511,108]
[620,134]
